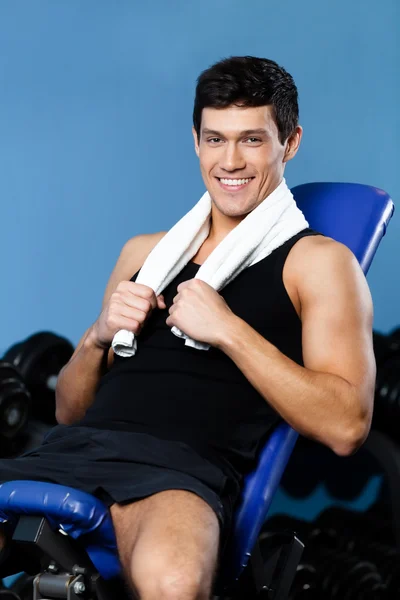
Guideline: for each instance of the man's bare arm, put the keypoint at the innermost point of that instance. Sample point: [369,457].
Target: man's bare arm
[78,380]
[330,399]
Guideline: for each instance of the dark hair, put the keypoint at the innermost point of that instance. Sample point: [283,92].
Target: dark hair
[248,81]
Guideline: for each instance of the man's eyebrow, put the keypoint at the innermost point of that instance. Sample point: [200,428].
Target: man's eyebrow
[259,131]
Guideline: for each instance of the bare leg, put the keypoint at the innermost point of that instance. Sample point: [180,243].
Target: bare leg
[168,545]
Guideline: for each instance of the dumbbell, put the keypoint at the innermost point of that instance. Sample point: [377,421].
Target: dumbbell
[370,537]
[342,576]
[387,560]
[15,402]
[387,398]
[357,525]
[329,567]
[387,390]
[386,346]
[394,342]
[39,359]
[381,347]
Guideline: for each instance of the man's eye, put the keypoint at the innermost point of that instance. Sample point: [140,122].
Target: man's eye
[255,139]
[212,139]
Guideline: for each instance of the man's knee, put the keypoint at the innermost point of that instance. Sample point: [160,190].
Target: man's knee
[154,578]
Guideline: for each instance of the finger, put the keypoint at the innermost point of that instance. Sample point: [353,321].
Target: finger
[127,299]
[128,324]
[175,299]
[135,314]
[138,289]
[161,302]
[183,285]
[172,309]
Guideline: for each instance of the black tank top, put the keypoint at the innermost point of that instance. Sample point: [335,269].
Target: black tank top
[201,397]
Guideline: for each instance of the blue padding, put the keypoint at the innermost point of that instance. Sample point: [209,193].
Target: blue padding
[77,513]
[8,582]
[351,213]
[258,491]
[354,214]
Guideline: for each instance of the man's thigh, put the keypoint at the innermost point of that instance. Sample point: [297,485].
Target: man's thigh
[171,534]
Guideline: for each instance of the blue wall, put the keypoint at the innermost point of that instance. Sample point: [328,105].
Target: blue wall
[95,131]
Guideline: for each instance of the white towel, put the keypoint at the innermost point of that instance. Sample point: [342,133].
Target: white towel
[274,221]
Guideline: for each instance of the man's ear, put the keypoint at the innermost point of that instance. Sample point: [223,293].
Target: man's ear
[196,141]
[293,143]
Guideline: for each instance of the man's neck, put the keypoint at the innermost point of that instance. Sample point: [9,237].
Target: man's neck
[220,226]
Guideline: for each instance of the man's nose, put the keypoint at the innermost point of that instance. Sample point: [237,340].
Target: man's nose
[232,159]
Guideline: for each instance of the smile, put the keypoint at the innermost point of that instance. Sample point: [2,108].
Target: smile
[234,185]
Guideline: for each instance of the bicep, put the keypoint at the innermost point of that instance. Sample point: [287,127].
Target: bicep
[337,317]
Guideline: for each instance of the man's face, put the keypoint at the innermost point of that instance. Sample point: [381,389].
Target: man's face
[239,143]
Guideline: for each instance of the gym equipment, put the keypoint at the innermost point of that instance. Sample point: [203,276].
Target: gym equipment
[353,214]
[387,397]
[370,524]
[387,389]
[15,403]
[304,586]
[394,341]
[338,562]
[40,359]
[346,577]
[381,348]
[21,585]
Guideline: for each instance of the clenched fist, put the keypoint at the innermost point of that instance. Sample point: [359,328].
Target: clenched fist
[129,306]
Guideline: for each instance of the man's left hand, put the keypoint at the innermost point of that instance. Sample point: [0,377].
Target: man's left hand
[200,312]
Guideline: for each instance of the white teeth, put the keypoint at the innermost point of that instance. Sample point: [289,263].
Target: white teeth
[235,181]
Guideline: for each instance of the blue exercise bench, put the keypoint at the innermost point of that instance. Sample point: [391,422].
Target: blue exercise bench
[67,535]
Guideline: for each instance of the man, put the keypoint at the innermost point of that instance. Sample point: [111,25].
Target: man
[166,436]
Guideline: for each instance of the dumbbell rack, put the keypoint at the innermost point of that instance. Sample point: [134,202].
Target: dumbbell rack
[387,452]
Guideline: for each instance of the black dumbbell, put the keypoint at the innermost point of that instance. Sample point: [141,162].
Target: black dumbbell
[357,525]
[381,347]
[40,359]
[387,398]
[387,560]
[386,346]
[394,342]
[331,566]
[341,574]
[15,402]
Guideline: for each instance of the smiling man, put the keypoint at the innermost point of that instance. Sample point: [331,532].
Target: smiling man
[165,437]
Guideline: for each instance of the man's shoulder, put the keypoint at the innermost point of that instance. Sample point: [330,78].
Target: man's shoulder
[314,258]
[140,246]
[311,249]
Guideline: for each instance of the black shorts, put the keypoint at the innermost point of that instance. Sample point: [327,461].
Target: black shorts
[123,466]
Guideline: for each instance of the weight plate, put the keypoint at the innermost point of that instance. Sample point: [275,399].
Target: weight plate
[15,401]
[40,359]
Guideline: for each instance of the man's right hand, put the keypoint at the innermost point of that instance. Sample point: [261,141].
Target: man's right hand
[129,306]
